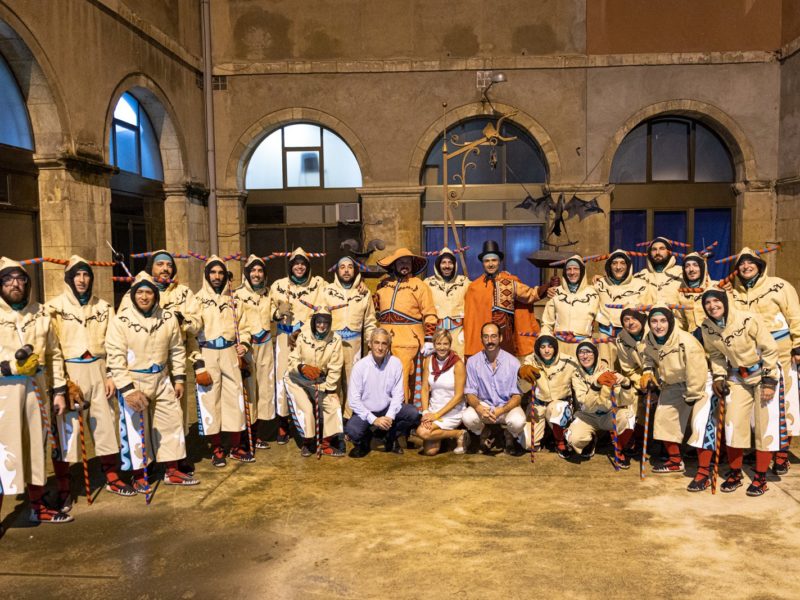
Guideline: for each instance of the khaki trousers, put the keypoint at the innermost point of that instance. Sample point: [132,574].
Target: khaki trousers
[672,414]
[304,413]
[261,383]
[586,425]
[23,437]
[221,405]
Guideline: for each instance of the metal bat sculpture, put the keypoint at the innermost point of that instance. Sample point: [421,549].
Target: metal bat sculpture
[574,207]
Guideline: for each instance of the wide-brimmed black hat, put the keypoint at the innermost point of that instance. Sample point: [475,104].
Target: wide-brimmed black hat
[491,247]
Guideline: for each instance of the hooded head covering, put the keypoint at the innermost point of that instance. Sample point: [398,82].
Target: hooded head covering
[323,314]
[722,297]
[628,267]
[213,261]
[587,344]
[662,310]
[8,267]
[700,260]
[76,264]
[446,252]
[543,340]
[356,277]
[749,254]
[254,261]
[299,255]
[418,263]
[638,315]
[158,256]
[144,279]
[576,259]
[668,244]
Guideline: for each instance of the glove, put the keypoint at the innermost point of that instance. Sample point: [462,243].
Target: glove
[528,373]
[768,387]
[720,387]
[202,377]
[137,401]
[427,349]
[75,396]
[309,372]
[555,281]
[28,366]
[607,378]
[292,341]
[244,367]
[647,382]
[180,317]
[284,310]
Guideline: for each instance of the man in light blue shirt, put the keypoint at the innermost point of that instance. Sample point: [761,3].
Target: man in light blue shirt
[375,394]
[492,394]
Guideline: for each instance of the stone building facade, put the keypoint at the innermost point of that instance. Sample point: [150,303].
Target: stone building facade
[580,76]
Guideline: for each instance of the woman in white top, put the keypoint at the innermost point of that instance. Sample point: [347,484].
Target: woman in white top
[442,397]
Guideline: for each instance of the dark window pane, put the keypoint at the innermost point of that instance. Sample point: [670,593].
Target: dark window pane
[520,160]
[712,159]
[127,155]
[628,228]
[263,242]
[14,126]
[475,236]
[630,160]
[265,214]
[712,225]
[434,240]
[151,153]
[334,236]
[671,225]
[521,242]
[302,169]
[670,151]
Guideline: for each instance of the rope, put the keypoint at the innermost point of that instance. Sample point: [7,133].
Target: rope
[718,441]
[84,459]
[645,458]
[614,435]
[148,494]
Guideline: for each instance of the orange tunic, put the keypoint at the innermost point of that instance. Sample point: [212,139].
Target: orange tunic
[504,300]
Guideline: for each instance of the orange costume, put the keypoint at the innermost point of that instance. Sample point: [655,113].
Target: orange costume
[405,308]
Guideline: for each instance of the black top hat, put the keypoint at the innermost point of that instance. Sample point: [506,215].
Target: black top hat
[491,247]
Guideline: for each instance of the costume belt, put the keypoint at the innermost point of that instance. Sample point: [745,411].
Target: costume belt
[609,330]
[780,334]
[219,343]
[83,360]
[450,323]
[569,337]
[262,337]
[154,368]
[745,372]
[348,334]
[390,317]
[289,329]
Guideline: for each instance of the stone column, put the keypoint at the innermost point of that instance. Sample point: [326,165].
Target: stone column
[232,226]
[756,211]
[75,217]
[392,214]
[787,228]
[186,221]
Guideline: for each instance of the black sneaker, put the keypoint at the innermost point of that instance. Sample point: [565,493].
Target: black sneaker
[624,462]
[512,445]
[488,439]
[759,485]
[588,451]
[241,455]
[261,444]
[564,452]
[307,450]
[733,481]
[283,436]
[699,483]
[218,458]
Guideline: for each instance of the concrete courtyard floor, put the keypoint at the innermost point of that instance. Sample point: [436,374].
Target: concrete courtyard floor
[410,527]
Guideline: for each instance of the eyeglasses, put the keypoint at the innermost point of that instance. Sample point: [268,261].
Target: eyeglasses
[9,279]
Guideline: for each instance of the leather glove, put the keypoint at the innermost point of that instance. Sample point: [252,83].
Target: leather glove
[768,387]
[292,341]
[310,372]
[607,378]
[555,281]
[528,373]
[75,396]
[647,382]
[427,349]
[720,387]
[284,310]
[202,377]
[180,317]
[137,401]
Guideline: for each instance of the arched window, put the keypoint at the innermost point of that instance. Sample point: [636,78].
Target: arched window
[133,144]
[302,155]
[519,161]
[15,127]
[673,179]
[501,179]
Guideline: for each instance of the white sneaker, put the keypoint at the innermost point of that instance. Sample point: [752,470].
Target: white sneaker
[461,444]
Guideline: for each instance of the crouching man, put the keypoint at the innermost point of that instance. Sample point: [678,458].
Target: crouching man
[376,396]
[493,396]
[142,343]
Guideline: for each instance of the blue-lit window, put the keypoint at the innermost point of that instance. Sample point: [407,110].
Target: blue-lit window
[672,150]
[517,161]
[133,144]
[15,127]
[714,225]
[628,228]
[302,155]
[517,242]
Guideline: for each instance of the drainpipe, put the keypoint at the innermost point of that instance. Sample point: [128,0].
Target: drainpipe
[208,95]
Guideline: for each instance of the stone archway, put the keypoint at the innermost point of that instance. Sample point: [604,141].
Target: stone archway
[252,136]
[742,153]
[478,109]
